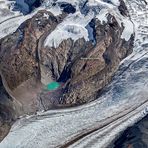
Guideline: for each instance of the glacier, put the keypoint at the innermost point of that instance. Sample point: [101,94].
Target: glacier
[74,25]
[97,124]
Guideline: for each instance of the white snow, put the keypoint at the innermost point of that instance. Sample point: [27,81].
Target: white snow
[55,10]
[101,4]
[11,24]
[6,10]
[128,29]
[102,16]
[73,26]
[124,103]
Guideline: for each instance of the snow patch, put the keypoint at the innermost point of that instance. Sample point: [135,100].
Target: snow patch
[6,10]
[46,15]
[75,25]
[72,27]
[55,10]
[102,16]
[128,29]
[11,24]
[125,21]
[115,2]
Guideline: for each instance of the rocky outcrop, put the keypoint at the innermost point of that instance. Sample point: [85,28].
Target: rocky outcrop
[123,9]
[18,63]
[19,51]
[7,111]
[84,67]
[123,103]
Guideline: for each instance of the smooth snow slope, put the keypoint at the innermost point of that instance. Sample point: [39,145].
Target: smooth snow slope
[95,125]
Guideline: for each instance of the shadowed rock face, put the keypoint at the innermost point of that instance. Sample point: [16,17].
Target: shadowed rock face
[7,111]
[23,56]
[84,67]
[135,136]
[26,6]
[95,124]
[84,77]
[123,9]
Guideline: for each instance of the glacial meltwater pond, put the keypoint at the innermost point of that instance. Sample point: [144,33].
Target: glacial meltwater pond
[98,123]
[52,86]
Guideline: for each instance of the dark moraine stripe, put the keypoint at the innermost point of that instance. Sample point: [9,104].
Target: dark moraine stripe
[135,136]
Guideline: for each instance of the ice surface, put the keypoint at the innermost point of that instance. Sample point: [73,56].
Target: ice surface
[11,24]
[61,126]
[102,16]
[124,102]
[55,10]
[74,26]
[115,2]
[6,10]
[11,20]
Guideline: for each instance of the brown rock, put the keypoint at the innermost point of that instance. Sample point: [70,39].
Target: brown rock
[85,67]
[84,78]
[7,111]
[19,51]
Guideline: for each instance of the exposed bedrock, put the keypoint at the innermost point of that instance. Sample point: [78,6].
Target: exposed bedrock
[19,60]
[19,63]
[26,6]
[84,67]
[19,51]
[8,111]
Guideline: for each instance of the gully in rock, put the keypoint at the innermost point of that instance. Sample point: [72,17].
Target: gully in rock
[63,65]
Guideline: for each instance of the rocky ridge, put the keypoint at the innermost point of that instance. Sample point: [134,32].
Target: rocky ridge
[83,65]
